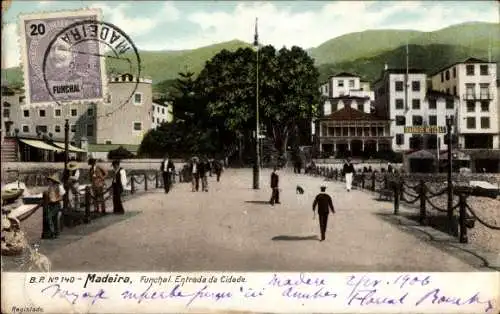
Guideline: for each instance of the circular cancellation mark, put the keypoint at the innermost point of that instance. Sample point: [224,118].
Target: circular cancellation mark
[72,66]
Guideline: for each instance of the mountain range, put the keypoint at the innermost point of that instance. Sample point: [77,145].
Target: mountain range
[364,53]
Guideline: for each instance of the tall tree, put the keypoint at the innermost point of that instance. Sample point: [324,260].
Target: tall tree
[288,90]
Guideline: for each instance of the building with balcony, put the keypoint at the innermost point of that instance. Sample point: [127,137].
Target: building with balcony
[346,84]
[402,96]
[350,131]
[474,82]
[161,113]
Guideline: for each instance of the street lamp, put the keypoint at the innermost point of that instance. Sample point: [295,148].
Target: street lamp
[256,166]
[449,124]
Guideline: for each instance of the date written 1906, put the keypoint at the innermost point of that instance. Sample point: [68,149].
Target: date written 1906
[54,279]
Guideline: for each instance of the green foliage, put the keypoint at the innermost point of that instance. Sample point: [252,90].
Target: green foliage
[120,153]
[288,90]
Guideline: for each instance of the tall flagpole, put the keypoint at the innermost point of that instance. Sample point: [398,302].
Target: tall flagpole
[256,167]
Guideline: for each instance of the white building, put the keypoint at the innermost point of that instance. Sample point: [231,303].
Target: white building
[346,84]
[474,82]
[408,103]
[161,113]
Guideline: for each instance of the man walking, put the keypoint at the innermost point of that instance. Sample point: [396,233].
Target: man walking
[167,169]
[348,171]
[325,204]
[118,186]
[195,174]
[275,178]
[97,179]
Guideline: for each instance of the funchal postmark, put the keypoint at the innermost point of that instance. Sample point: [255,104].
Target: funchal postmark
[64,56]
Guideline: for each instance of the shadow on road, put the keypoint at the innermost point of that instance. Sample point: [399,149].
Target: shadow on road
[295,238]
[258,202]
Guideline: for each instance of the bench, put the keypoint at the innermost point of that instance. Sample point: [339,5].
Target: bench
[386,194]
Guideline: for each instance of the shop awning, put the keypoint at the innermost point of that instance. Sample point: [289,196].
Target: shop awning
[71,148]
[40,145]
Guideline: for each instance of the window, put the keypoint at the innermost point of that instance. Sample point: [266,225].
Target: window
[41,128]
[351,83]
[57,112]
[108,142]
[400,139]
[485,122]
[399,86]
[417,120]
[26,129]
[415,86]
[450,104]
[454,90]
[470,90]
[90,113]
[137,126]
[400,120]
[41,113]
[454,72]
[26,113]
[433,120]
[57,128]
[471,122]
[442,77]
[483,69]
[469,69]
[137,98]
[6,113]
[471,106]
[484,90]
[74,112]
[447,75]
[432,104]
[415,104]
[73,128]
[90,130]
[485,106]
[340,83]
[400,103]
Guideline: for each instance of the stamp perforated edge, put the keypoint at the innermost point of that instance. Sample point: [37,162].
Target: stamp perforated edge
[85,11]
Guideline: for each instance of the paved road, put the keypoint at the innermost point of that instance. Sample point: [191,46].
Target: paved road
[228,229]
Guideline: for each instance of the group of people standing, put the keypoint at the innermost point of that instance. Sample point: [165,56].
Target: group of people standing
[68,185]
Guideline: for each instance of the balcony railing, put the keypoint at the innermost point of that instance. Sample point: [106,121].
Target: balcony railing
[480,96]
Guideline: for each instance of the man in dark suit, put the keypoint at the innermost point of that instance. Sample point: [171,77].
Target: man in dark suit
[167,169]
[275,178]
[195,174]
[325,204]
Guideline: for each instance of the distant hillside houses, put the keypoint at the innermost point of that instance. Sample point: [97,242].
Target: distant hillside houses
[405,111]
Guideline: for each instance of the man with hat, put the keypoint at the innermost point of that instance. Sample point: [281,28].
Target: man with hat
[73,175]
[325,204]
[51,212]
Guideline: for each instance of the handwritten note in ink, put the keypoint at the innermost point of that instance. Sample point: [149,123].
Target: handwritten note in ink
[269,292]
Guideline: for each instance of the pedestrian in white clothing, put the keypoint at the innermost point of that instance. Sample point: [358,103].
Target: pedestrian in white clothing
[348,171]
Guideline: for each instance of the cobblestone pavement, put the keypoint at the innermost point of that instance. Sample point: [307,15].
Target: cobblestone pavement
[233,228]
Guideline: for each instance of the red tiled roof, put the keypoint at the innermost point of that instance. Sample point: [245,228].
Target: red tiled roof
[349,114]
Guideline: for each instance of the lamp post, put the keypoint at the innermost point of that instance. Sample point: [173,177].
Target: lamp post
[256,166]
[449,124]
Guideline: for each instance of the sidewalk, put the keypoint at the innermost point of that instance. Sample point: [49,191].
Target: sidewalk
[233,228]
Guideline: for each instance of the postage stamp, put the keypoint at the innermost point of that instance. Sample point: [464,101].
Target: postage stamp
[70,76]
[72,45]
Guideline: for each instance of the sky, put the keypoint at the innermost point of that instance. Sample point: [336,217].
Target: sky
[178,25]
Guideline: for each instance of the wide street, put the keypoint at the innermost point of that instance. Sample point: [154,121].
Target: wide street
[233,228]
